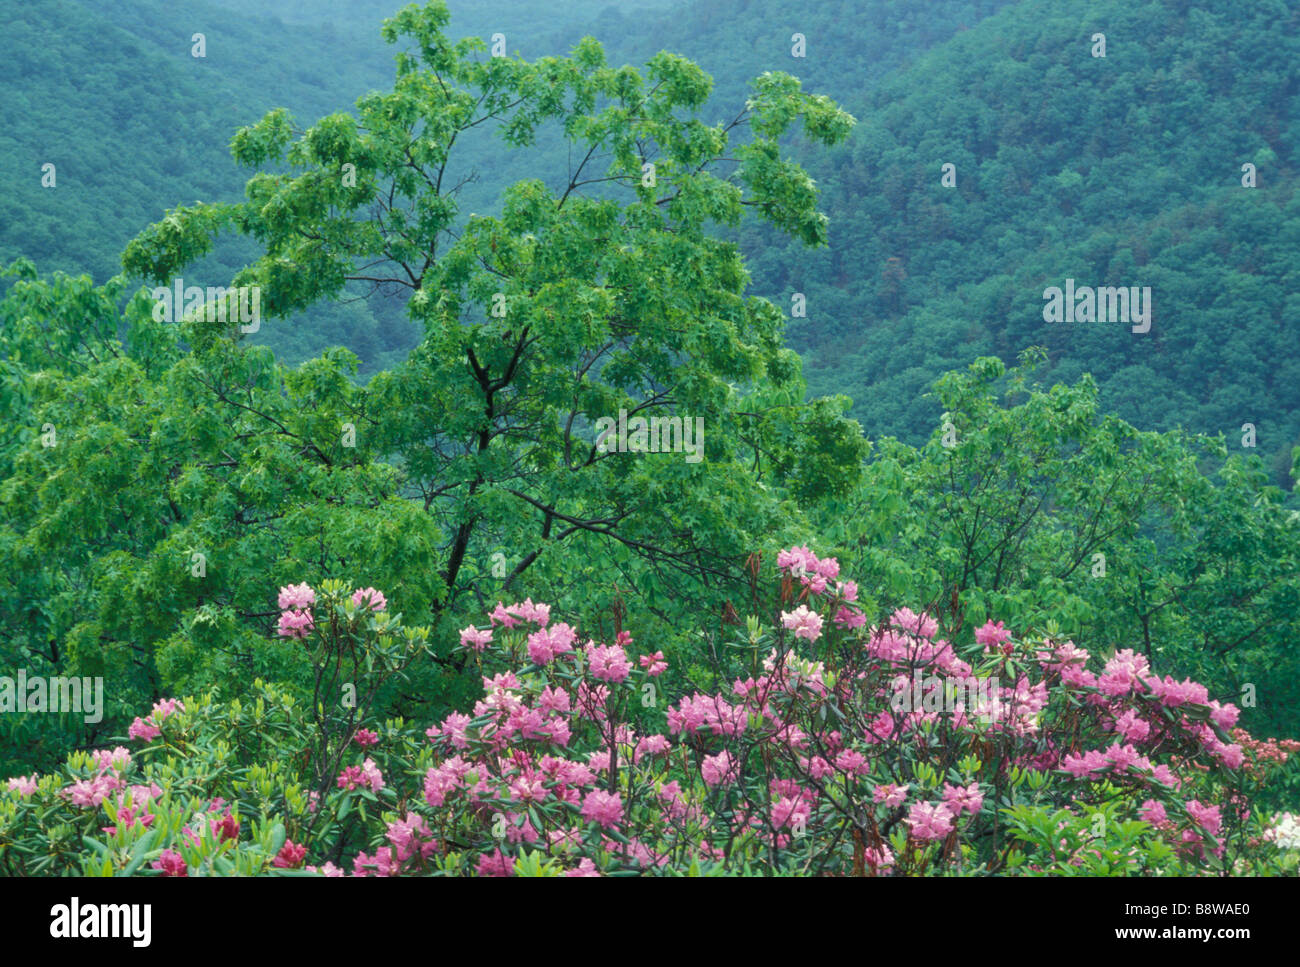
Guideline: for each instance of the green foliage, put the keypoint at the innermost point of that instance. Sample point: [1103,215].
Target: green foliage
[1090,842]
[515,249]
[1049,512]
[193,471]
[1123,170]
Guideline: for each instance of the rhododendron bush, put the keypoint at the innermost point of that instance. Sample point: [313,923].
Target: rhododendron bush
[841,747]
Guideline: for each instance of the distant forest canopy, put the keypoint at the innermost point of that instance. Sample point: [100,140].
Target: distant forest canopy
[1123,170]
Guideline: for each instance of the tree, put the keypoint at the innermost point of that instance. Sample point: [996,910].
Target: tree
[601,294]
[1045,512]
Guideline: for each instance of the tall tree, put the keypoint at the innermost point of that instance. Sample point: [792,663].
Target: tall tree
[193,472]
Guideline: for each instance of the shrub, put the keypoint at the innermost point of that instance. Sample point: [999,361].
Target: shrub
[840,749]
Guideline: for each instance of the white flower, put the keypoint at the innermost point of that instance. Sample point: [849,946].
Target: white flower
[1285,831]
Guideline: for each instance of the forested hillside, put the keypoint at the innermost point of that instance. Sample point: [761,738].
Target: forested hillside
[1122,170]
[110,93]
[137,83]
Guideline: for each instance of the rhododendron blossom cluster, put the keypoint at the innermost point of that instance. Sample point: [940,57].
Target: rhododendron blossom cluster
[569,764]
[151,728]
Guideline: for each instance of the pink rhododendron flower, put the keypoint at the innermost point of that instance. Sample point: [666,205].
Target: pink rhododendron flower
[1082,765]
[1207,817]
[790,811]
[1121,757]
[411,838]
[566,772]
[501,682]
[718,769]
[1164,775]
[23,785]
[540,614]
[1132,726]
[803,564]
[816,767]
[225,826]
[367,775]
[697,712]
[91,792]
[890,794]
[961,799]
[116,759]
[369,598]
[502,616]
[371,775]
[454,729]
[1123,673]
[547,644]
[1224,716]
[1173,694]
[879,858]
[170,863]
[147,729]
[994,637]
[295,624]
[444,779]
[1230,756]
[471,637]
[528,789]
[495,863]
[651,745]
[603,808]
[365,738]
[1153,812]
[554,700]
[1060,655]
[296,597]
[608,662]
[921,625]
[853,762]
[805,624]
[929,822]
[797,561]
[1077,676]
[142,794]
[350,778]
[143,729]
[654,665]
[384,862]
[849,619]
[517,832]
[290,856]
